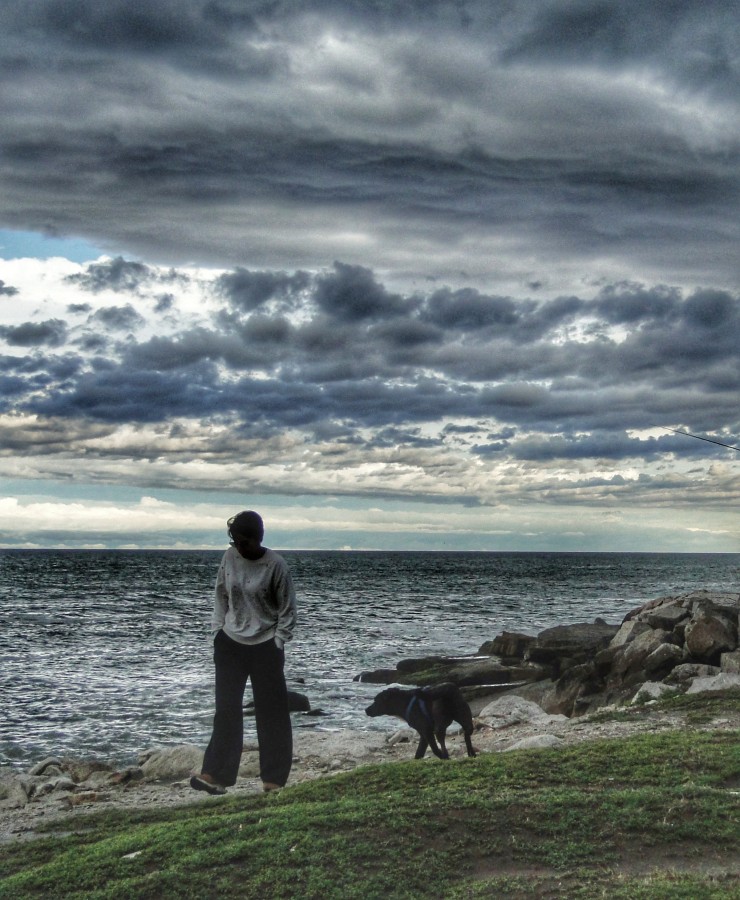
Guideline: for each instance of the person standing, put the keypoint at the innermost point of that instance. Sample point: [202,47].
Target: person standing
[254,614]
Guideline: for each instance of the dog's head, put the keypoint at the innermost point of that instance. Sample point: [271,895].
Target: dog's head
[379,706]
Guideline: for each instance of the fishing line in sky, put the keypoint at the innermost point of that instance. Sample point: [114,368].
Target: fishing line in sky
[700,438]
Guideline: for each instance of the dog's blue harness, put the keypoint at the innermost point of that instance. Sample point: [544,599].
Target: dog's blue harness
[416,700]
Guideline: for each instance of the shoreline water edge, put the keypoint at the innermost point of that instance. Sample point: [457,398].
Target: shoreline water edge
[114,655]
[525,691]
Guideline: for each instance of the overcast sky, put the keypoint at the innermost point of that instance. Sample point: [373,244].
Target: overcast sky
[414,274]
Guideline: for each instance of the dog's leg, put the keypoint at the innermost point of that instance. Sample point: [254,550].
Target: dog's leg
[442,754]
[441,741]
[422,748]
[465,720]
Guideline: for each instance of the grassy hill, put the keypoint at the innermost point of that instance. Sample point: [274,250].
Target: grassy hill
[648,816]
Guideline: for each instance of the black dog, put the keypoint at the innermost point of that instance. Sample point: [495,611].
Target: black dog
[428,710]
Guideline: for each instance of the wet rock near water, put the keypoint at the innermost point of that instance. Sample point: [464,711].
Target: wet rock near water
[297,703]
[74,782]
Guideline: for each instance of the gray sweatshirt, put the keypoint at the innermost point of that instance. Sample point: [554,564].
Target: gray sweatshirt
[254,599]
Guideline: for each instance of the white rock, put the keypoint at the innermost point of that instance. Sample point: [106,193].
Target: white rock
[171,762]
[652,690]
[512,710]
[12,793]
[249,767]
[402,736]
[31,784]
[41,767]
[61,783]
[537,742]
[720,682]
[96,781]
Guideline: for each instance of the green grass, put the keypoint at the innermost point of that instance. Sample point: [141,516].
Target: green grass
[638,817]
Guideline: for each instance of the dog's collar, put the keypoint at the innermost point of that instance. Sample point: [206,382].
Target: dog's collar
[416,699]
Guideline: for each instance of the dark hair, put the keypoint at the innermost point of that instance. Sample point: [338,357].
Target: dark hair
[246,524]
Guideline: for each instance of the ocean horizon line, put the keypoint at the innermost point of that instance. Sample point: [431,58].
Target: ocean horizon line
[379,550]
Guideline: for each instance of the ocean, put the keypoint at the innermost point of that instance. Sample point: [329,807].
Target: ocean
[104,654]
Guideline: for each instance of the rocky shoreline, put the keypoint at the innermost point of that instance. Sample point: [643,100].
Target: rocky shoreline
[575,669]
[548,690]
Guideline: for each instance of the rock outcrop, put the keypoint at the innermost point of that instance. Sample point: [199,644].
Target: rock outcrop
[574,669]
[52,776]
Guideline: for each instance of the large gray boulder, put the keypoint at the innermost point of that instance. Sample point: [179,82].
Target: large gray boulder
[163,763]
[664,658]
[709,634]
[513,710]
[13,793]
[480,670]
[462,671]
[665,616]
[684,673]
[721,682]
[568,645]
[508,645]
[628,631]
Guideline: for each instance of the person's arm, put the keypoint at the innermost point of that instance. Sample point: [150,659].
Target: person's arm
[220,600]
[284,595]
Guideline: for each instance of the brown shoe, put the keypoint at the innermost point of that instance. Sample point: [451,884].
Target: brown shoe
[199,783]
[268,786]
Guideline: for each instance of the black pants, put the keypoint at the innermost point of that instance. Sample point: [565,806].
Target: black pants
[235,664]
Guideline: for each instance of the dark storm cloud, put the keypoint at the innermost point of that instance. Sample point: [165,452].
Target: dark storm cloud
[610,445]
[118,318]
[247,290]
[415,137]
[406,334]
[267,330]
[112,395]
[127,26]
[51,333]
[685,36]
[191,348]
[115,275]
[164,303]
[11,387]
[462,429]
[696,346]
[468,309]
[393,437]
[626,304]
[7,290]
[35,373]
[359,330]
[364,367]
[352,294]
[92,343]
[48,365]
